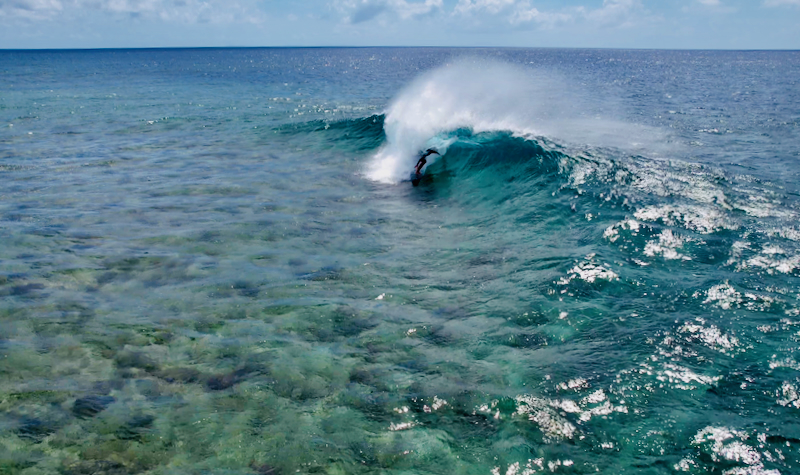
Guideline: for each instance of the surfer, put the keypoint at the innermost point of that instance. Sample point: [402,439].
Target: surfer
[422,161]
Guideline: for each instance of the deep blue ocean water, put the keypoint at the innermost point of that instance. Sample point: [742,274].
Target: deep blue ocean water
[211,261]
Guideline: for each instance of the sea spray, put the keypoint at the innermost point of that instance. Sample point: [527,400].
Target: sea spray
[486,95]
[442,100]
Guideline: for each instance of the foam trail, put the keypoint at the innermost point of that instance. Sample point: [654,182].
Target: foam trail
[485,95]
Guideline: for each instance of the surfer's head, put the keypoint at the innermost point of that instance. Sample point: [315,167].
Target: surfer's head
[432,150]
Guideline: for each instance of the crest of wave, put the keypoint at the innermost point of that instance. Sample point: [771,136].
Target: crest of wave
[476,94]
[484,95]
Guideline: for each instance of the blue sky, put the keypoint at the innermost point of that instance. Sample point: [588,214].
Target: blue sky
[717,24]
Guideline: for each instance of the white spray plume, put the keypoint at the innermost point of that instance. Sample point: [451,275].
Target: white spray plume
[485,95]
[475,94]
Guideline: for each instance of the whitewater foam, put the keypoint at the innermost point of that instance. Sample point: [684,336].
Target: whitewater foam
[483,96]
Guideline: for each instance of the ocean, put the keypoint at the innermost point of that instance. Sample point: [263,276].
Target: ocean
[213,261]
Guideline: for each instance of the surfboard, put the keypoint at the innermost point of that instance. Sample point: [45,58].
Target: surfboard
[416,177]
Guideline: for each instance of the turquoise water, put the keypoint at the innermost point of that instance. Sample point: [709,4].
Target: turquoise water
[210,262]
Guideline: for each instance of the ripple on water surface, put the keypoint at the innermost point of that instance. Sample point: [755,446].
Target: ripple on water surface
[196,274]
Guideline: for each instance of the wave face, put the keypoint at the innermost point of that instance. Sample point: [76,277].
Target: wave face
[496,97]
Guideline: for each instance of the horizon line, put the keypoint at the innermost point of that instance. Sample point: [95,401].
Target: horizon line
[151,48]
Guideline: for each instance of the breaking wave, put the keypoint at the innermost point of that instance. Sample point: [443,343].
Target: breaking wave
[488,96]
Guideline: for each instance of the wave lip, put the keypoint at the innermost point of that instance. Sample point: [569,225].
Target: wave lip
[483,96]
[475,94]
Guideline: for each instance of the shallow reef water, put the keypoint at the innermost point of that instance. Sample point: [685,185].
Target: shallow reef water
[212,261]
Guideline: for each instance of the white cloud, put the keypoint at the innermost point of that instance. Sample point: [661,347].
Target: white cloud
[184,11]
[515,11]
[32,9]
[490,6]
[410,9]
[546,18]
[359,11]
[31,5]
[616,13]
[705,7]
[520,12]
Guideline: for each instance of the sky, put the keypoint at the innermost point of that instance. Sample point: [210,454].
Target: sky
[661,24]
